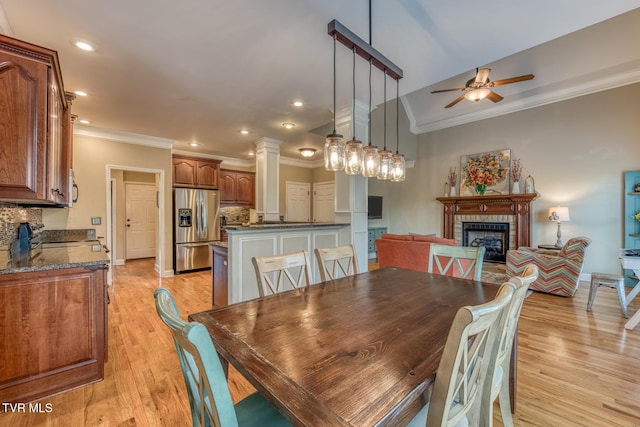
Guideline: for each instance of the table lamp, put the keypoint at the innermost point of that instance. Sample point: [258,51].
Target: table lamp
[559,214]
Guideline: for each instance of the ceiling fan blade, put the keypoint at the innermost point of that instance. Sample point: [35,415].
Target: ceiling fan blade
[483,75]
[455,101]
[512,80]
[448,90]
[494,97]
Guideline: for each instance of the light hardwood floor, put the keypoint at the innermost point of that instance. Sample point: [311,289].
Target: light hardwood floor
[575,368]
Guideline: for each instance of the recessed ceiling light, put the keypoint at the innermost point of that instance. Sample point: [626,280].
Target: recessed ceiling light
[251,153]
[288,125]
[80,93]
[84,45]
[307,152]
[194,144]
[297,103]
[244,132]
[85,121]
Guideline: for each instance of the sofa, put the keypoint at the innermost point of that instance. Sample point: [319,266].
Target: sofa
[559,272]
[407,250]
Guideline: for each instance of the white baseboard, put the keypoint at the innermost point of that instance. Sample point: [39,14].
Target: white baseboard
[118,262]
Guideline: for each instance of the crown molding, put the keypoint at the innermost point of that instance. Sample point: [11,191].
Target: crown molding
[120,136]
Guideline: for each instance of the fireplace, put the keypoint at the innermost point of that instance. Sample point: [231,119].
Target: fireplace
[493,236]
[513,209]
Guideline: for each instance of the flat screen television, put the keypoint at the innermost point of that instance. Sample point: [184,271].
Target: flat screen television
[374,207]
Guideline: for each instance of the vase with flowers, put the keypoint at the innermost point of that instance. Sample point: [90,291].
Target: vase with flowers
[485,171]
[452,180]
[636,216]
[516,172]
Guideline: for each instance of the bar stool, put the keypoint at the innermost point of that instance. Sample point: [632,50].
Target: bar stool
[611,281]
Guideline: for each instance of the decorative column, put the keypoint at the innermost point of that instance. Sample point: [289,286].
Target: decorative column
[268,178]
[351,190]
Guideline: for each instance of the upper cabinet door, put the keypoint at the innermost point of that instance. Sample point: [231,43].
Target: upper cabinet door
[23,121]
[227,186]
[184,172]
[207,173]
[245,188]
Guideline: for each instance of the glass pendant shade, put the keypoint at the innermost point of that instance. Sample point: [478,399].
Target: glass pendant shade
[386,165]
[353,157]
[398,170]
[370,161]
[334,152]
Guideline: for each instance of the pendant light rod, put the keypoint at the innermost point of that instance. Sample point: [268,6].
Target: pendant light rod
[353,103]
[365,50]
[384,138]
[334,85]
[397,117]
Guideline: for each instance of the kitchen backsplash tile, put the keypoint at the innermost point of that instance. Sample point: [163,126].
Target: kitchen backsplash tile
[10,218]
[235,214]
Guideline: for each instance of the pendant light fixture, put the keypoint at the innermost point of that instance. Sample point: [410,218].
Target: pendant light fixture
[370,156]
[398,170]
[386,156]
[334,146]
[353,149]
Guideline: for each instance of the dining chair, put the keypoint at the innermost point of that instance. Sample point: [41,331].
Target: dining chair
[497,384]
[336,262]
[271,272]
[209,396]
[456,261]
[469,352]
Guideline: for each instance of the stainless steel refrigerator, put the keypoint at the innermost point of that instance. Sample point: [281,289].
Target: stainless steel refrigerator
[196,223]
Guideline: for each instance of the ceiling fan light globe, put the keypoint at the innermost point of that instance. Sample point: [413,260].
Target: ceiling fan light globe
[477,94]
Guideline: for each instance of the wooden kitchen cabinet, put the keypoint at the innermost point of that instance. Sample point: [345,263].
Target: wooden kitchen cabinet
[195,172]
[35,146]
[237,188]
[219,275]
[53,325]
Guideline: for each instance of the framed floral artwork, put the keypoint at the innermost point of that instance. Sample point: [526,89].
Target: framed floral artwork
[485,173]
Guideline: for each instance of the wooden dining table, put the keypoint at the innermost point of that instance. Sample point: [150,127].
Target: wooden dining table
[356,351]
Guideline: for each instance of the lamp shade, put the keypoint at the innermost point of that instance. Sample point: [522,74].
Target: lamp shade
[559,214]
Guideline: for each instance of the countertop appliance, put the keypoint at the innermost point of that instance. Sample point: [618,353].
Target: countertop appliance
[196,218]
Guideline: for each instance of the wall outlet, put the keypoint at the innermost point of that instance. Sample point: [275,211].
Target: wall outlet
[96,220]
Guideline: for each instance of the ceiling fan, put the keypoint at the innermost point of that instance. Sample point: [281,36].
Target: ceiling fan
[480,87]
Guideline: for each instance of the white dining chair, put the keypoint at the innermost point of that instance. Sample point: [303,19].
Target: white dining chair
[497,385]
[456,261]
[336,262]
[471,348]
[281,272]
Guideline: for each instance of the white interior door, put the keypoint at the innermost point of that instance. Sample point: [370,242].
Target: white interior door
[323,202]
[298,202]
[141,220]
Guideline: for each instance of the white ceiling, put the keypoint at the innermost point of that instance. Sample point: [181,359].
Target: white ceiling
[197,70]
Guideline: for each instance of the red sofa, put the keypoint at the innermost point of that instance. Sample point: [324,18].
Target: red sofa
[407,250]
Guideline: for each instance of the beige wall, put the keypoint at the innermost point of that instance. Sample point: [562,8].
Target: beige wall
[576,150]
[90,159]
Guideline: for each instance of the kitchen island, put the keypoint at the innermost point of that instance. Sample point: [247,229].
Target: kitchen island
[53,319]
[266,239]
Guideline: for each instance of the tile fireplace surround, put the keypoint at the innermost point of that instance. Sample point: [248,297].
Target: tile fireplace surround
[514,209]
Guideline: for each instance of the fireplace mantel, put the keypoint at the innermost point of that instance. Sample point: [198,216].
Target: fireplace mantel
[518,205]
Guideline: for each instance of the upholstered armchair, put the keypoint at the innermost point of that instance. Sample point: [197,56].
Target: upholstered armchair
[559,271]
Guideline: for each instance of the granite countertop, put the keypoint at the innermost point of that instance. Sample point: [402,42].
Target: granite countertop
[281,225]
[53,256]
[220,244]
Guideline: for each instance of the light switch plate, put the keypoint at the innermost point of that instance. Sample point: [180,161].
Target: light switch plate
[96,220]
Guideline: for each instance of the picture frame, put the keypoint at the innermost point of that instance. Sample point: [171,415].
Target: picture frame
[485,173]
